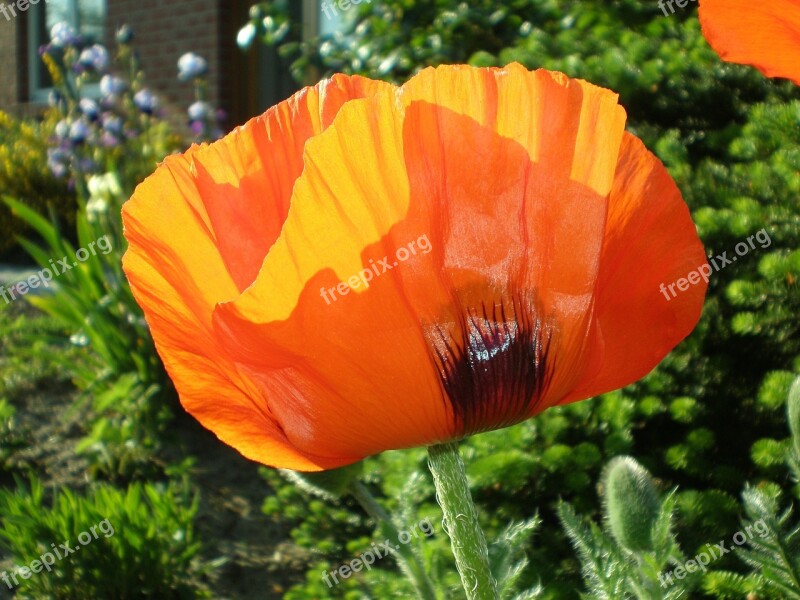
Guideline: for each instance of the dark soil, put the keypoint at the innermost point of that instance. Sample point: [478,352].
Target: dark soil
[261,561]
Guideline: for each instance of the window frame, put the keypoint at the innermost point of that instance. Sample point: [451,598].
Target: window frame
[37,27]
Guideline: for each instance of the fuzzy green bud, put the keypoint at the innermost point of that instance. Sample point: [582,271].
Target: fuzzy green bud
[793,413]
[631,503]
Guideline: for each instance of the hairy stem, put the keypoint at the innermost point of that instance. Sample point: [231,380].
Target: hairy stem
[461,521]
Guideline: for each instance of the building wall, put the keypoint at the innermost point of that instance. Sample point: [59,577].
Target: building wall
[166,29]
[13,66]
[243,84]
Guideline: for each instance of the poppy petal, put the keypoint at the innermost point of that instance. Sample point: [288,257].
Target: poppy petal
[650,243]
[246,179]
[230,200]
[763,34]
[331,365]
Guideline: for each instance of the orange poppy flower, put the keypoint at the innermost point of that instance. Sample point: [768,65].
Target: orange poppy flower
[763,34]
[366,267]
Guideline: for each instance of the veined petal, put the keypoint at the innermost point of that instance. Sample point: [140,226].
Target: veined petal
[650,242]
[763,34]
[198,230]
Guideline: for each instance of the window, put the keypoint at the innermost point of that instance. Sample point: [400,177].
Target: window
[87,17]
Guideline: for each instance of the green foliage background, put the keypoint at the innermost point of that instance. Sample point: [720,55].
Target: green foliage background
[24,174]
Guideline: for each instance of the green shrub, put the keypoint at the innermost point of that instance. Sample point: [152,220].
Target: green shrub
[138,543]
[10,438]
[24,174]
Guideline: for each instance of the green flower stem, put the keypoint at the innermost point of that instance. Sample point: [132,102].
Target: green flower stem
[406,557]
[461,521]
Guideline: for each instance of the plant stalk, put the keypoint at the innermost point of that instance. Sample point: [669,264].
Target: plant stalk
[461,521]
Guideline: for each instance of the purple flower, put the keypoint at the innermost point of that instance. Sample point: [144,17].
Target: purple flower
[199,111]
[62,130]
[191,66]
[125,34]
[112,86]
[58,170]
[109,140]
[79,132]
[57,161]
[89,108]
[96,57]
[197,127]
[62,35]
[146,101]
[87,165]
[112,124]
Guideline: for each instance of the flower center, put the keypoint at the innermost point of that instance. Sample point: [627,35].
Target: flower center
[493,366]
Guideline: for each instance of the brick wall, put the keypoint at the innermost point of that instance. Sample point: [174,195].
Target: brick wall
[166,29]
[241,83]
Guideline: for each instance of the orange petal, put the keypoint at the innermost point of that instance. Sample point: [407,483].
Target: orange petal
[650,243]
[246,179]
[359,373]
[763,34]
[198,230]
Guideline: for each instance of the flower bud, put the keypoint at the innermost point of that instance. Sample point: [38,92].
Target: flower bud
[124,34]
[191,66]
[793,413]
[631,502]
[146,101]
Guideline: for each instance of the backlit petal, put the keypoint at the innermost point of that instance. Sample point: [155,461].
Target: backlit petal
[198,230]
[764,34]
[650,243]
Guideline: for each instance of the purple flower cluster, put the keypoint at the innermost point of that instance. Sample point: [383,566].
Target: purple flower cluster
[90,123]
[121,111]
[94,58]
